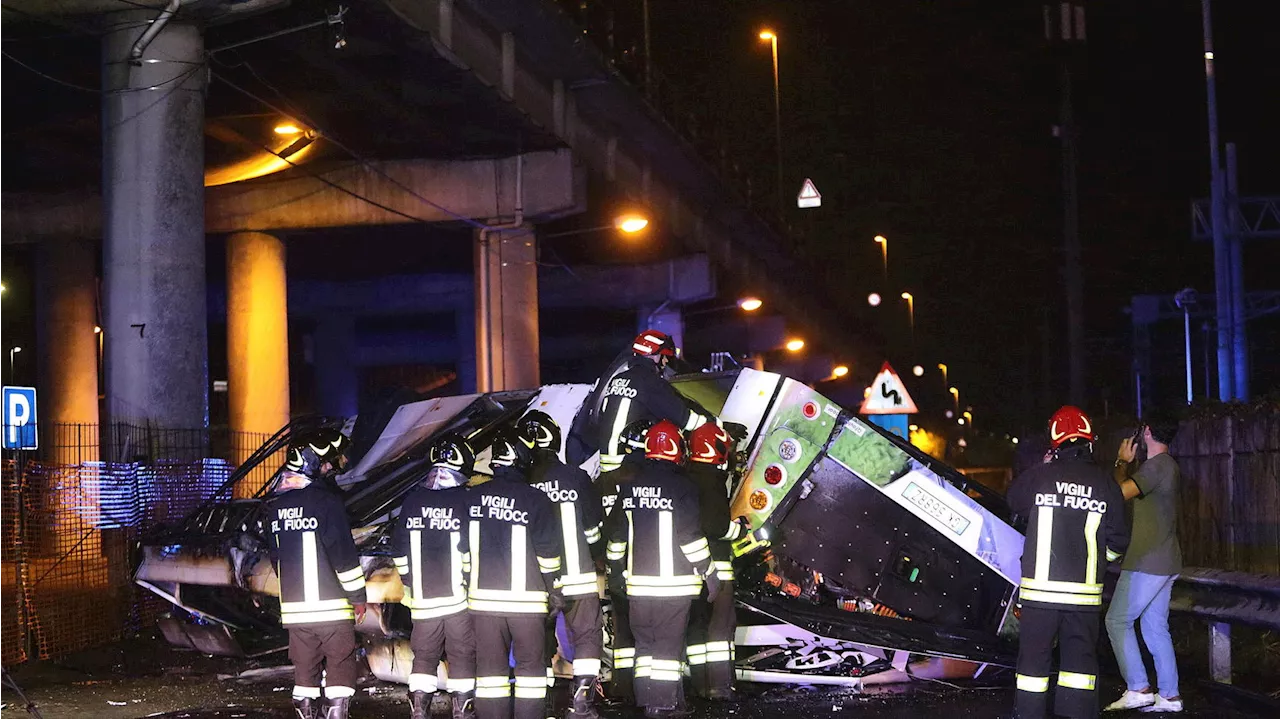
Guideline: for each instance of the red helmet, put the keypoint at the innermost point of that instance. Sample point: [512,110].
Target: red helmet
[664,442]
[709,444]
[652,343]
[1070,423]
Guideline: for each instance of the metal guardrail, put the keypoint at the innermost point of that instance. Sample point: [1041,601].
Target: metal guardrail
[1223,598]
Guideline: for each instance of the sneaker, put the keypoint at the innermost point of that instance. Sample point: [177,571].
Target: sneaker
[1163,705]
[1131,700]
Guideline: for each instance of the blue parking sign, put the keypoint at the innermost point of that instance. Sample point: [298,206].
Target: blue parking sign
[20,418]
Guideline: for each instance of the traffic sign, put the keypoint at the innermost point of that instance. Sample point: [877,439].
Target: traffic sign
[888,395]
[20,418]
[809,195]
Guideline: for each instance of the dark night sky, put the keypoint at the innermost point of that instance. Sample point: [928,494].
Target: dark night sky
[930,122]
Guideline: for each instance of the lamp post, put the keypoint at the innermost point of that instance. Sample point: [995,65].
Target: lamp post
[911,314]
[12,351]
[629,223]
[884,252]
[943,367]
[955,397]
[772,38]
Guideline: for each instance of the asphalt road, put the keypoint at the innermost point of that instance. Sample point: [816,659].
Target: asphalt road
[146,678]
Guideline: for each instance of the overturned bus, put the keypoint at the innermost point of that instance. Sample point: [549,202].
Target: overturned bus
[869,560]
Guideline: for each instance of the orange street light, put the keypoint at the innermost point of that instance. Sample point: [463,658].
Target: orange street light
[795,345]
[943,367]
[750,304]
[771,37]
[631,223]
[839,371]
[955,395]
[911,309]
[884,251]
[288,128]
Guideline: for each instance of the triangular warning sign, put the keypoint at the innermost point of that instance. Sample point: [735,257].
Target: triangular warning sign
[887,395]
[809,195]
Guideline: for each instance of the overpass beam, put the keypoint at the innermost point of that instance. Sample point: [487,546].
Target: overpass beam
[153,235]
[257,342]
[66,280]
[507,353]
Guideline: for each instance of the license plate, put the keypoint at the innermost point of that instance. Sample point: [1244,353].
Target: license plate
[934,507]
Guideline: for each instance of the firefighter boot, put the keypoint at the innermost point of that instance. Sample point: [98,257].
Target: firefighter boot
[306,708]
[337,708]
[464,705]
[584,699]
[419,705]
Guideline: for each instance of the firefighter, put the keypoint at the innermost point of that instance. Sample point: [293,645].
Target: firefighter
[623,649]
[1075,526]
[640,392]
[581,519]
[712,626]
[512,548]
[655,533]
[322,592]
[427,539]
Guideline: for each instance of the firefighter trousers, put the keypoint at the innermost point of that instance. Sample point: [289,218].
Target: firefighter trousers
[622,685]
[1076,632]
[585,625]
[450,637]
[711,635]
[659,624]
[324,650]
[498,636]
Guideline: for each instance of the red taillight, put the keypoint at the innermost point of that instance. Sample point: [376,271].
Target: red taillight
[791,589]
[810,409]
[773,474]
[773,579]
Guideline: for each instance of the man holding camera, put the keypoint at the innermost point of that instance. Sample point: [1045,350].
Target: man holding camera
[1150,567]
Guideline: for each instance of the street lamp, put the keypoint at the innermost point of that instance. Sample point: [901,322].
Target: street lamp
[911,310]
[288,128]
[627,223]
[839,371]
[795,345]
[917,371]
[13,351]
[955,395]
[884,251]
[771,37]
[943,367]
[873,299]
[750,304]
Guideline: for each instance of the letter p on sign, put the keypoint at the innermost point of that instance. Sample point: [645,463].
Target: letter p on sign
[20,418]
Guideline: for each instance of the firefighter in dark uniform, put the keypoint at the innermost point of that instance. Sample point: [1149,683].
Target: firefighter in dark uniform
[427,541]
[1075,526]
[623,647]
[512,547]
[656,534]
[578,506]
[711,628]
[322,590]
[640,392]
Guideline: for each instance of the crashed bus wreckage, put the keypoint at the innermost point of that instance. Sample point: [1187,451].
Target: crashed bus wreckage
[869,561]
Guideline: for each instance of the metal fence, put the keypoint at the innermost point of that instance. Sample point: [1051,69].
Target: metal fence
[69,524]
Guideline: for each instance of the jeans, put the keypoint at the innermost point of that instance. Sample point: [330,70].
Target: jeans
[1145,598]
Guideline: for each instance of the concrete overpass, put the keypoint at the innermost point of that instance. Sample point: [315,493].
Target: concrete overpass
[490,114]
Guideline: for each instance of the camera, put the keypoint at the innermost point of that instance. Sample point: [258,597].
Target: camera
[1140,444]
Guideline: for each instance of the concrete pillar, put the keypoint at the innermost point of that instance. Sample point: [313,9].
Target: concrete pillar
[334,352]
[66,314]
[507,355]
[465,324]
[667,319]
[153,246]
[257,342]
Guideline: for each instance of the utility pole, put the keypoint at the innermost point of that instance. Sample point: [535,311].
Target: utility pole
[1240,337]
[1218,213]
[1064,27]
